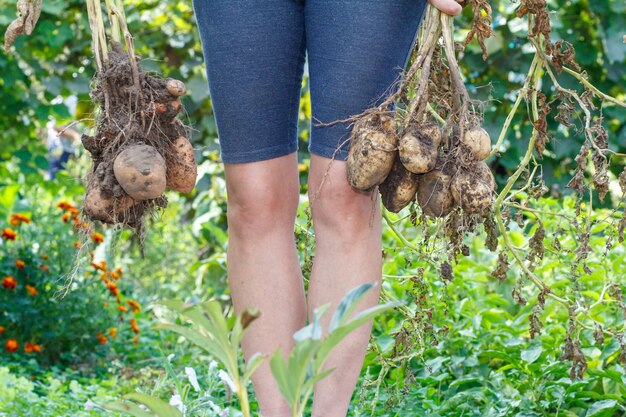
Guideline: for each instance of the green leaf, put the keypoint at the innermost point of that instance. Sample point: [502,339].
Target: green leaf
[214,310]
[314,329]
[8,195]
[601,408]
[348,303]
[337,335]
[199,340]
[128,408]
[531,354]
[156,405]
[282,376]
[251,365]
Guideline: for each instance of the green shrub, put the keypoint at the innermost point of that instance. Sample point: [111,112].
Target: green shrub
[55,302]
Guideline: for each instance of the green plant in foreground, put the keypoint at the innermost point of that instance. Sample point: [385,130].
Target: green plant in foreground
[217,334]
[220,335]
[296,376]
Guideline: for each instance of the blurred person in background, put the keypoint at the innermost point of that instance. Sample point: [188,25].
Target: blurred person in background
[61,140]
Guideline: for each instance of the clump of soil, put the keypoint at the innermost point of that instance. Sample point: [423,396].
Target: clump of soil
[136,143]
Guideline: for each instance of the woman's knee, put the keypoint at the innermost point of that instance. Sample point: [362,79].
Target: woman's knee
[260,212]
[336,205]
[261,198]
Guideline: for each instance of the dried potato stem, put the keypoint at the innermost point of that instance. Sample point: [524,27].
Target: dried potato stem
[116,8]
[115,24]
[101,32]
[419,103]
[535,78]
[574,95]
[429,34]
[535,74]
[98,40]
[583,80]
[460,96]
[520,96]
[93,25]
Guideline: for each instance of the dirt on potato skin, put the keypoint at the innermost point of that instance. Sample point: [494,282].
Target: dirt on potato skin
[129,114]
[372,151]
[399,188]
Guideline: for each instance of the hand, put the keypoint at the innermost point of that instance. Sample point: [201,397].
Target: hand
[450,7]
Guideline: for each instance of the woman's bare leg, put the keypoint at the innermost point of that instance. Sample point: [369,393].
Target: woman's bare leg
[263,267]
[348,252]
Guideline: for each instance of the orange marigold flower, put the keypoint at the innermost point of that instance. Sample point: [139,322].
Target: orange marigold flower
[78,245]
[9,283]
[44,267]
[133,325]
[65,205]
[113,332]
[11,345]
[74,211]
[1,329]
[66,217]
[43,257]
[17,219]
[20,264]
[102,339]
[105,304]
[118,271]
[113,288]
[134,305]
[122,309]
[136,339]
[31,347]
[31,290]
[101,266]
[97,237]
[9,234]
[114,275]
[78,225]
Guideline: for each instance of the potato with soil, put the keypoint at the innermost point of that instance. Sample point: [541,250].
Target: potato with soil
[473,189]
[483,172]
[434,194]
[107,210]
[373,146]
[419,148]
[175,87]
[399,188]
[478,142]
[141,172]
[181,166]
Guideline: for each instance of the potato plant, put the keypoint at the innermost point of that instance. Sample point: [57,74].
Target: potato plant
[455,190]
